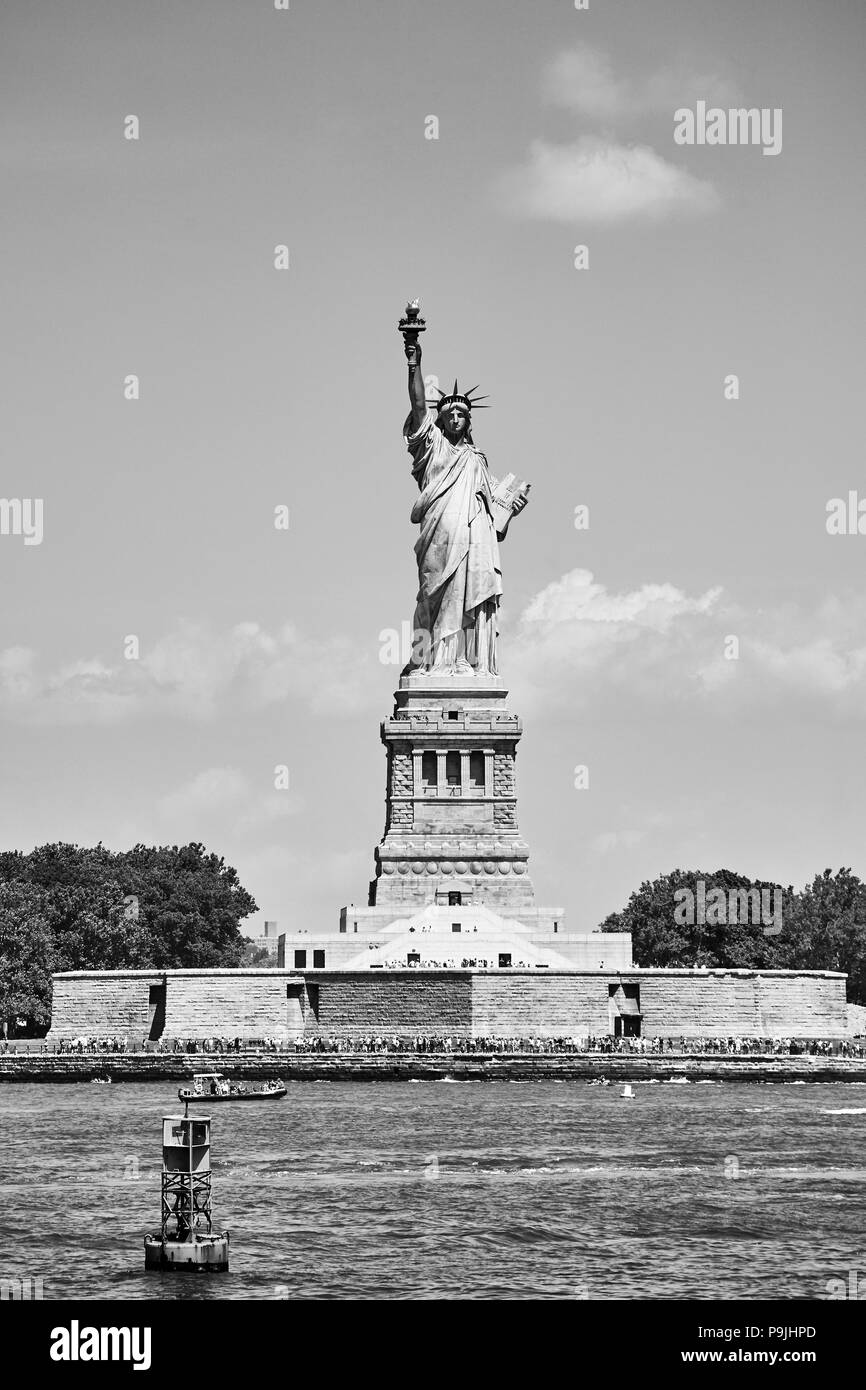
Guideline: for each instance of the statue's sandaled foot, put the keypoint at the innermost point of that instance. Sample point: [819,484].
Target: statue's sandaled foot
[463,668]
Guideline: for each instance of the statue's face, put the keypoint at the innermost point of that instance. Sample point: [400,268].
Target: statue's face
[454,422]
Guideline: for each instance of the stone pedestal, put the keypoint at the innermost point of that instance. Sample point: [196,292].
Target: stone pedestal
[451,832]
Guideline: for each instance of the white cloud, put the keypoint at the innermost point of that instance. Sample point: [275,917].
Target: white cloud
[16,674]
[602,178]
[226,797]
[215,789]
[598,180]
[577,642]
[610,840]
[577,596]
[578,645]
[195,672]
[638,824]
[671,88]
[794,659]
[582,79]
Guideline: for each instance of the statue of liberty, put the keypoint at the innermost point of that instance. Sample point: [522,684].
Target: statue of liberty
[463,512]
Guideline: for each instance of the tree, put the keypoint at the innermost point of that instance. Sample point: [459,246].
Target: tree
[731,935]
[92,930]
[26,958]
[822,928]
[828,928]
[191,902]
[187,912]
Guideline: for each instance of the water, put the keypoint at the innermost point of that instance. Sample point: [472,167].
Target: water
[550,1190]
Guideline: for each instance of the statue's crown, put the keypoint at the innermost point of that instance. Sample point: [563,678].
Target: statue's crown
[458,397]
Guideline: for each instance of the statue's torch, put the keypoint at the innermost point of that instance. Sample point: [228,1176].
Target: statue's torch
[411,324]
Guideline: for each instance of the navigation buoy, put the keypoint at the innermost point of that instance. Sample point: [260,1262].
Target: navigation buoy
[186,1242]
[627,1093]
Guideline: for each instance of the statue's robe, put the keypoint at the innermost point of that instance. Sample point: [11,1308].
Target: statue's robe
[457,550]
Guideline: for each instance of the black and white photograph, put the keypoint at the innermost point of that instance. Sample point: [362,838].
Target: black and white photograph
[432,672]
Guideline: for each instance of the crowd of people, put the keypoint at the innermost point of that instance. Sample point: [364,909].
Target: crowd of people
[423,1043]
[467,963]
[736,1046]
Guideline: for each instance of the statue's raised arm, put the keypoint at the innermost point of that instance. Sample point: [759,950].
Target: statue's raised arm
[410,327]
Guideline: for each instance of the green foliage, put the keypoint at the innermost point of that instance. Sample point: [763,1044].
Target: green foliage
[64,907]
[828,927]
[822,928]
[25,956]
[192,903]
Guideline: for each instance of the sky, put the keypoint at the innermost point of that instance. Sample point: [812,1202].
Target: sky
[262,388]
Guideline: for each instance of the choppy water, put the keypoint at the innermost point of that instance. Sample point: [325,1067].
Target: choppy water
[437,1190]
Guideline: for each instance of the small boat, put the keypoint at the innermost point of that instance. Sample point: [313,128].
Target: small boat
[627,1093]
[212,1087]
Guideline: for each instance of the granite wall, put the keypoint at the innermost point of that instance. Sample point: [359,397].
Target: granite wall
[232,1003]
[406,1002]
[177,1003]
[508,1003]
[313,1066]
[742,1003]
[84,1004]
[548,1004]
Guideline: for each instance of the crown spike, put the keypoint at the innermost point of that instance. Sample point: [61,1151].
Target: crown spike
[464,397]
